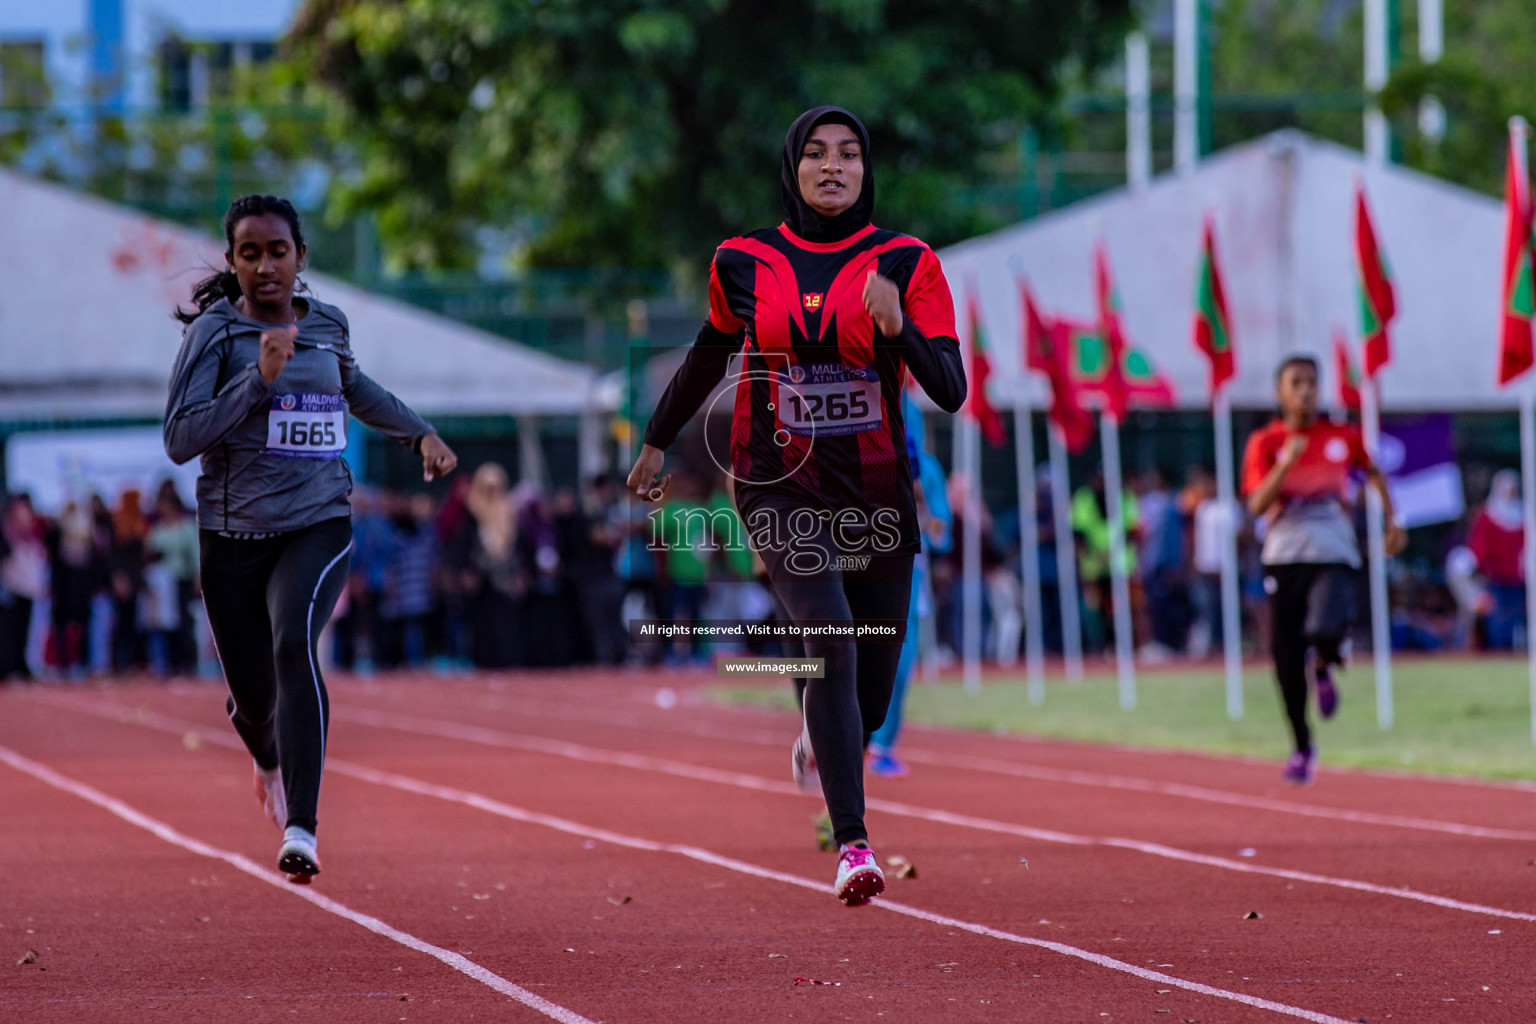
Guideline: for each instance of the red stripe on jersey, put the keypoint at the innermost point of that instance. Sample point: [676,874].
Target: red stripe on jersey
[799,242]
[928,301]
[775,287]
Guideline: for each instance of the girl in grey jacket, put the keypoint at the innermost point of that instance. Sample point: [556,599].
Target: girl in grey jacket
[261,390]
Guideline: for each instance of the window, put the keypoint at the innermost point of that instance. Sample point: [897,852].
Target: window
[194,74]
[23,75]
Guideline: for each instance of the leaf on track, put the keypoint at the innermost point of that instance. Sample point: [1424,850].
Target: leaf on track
[619,901]
[30,958]
[1252,915]
[813,981]
[903,867]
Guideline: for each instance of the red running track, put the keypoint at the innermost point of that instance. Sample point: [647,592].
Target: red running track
[538,847]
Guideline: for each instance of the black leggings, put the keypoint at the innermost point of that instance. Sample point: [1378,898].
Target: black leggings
[844,707]
[1311,606]
[267,602]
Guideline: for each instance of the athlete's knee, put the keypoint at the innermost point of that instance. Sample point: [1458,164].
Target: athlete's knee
[256,713]
[290,648]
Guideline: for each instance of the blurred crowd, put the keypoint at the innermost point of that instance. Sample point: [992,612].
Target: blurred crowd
[98,589]
[497,575]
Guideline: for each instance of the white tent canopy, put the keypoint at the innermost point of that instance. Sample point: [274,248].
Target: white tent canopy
[86,331]
[1284,213]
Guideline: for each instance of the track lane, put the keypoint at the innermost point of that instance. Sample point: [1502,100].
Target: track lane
[1152,910]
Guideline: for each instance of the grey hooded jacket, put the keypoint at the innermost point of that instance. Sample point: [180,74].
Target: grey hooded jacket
[255,477]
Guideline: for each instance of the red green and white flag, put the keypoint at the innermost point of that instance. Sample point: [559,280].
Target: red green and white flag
[1048,350]
[1138,381]
[1516,352]
[1348,376]
[977,404]
[1112,333]
[1378,302]
[1213,325]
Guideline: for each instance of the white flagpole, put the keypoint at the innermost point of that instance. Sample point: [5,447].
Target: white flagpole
[970,577]
[1066,559]
[1381,627]
[1119,584]
[1029,548]
[1231,617]
[1528,486]
[1518,134]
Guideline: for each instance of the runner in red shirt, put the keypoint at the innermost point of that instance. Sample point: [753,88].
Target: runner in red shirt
[1296,471]
[828,313]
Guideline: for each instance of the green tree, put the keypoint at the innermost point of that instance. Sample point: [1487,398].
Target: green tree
[637,133]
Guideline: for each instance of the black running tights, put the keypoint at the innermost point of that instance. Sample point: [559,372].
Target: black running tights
[267,601]
[1311,607]
[845,707]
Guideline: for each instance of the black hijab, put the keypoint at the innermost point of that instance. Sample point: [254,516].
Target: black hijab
[798,214]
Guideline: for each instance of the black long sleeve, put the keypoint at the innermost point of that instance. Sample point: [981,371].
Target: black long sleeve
[937,365]
[702,369]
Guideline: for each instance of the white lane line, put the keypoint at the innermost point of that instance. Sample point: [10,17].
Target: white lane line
[457,961]
[504,810]
[1040,773]
[576,752]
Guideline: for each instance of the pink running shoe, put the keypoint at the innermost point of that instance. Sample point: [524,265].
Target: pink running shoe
[269,793]
[859,878]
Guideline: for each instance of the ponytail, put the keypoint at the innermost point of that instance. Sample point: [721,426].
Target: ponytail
[223,284]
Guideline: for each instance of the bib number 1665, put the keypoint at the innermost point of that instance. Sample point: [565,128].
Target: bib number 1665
[298,434]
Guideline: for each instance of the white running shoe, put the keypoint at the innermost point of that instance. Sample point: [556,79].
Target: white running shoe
[297,859]
[269,793]
[802,762]
[859,878]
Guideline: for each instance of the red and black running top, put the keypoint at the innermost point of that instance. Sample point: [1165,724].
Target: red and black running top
[817,407]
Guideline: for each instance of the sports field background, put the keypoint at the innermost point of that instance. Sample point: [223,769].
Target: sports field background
[1453,716]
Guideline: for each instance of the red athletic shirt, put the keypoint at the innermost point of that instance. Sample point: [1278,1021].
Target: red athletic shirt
[1311,524]
[817,408]
[1333,450]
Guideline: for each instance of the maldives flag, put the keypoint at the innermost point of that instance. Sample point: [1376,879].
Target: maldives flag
[1213,326]
[1112,332]
[1048,350]
[977,404]
[1344,370]
[1378,303]
[1515,349]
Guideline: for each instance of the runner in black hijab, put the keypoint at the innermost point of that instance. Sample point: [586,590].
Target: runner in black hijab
[829,314]
[802,219]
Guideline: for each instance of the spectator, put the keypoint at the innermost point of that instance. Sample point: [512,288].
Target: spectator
[451,530]
[550,613]
[77,572]
[125,577]
[1498,542]
[493,578]
[1090,522]
[1161,566]
[173,541]
[407,601]
[1211,523]
[23,582]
